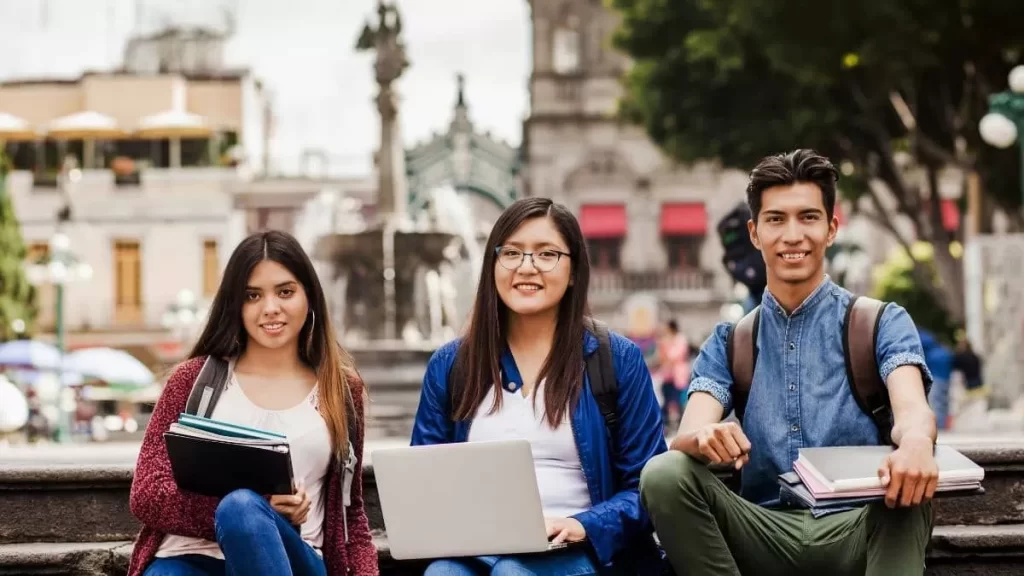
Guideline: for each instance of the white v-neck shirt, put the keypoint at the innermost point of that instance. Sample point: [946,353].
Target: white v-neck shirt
[310,442]
[556,460]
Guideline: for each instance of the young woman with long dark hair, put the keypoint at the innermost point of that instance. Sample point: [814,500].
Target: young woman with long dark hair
[520,374]
[288,374]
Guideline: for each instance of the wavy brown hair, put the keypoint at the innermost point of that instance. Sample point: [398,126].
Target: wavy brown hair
[479,362]
[224,335]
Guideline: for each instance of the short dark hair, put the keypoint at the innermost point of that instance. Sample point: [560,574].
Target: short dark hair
[673,326]
[803,165]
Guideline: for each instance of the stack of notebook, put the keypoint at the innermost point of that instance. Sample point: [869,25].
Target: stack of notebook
[214,458]
[848,475]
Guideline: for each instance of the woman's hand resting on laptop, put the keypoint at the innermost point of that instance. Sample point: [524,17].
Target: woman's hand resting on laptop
[294,507]
[564,530]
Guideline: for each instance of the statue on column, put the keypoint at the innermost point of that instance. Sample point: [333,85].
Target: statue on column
[384,39]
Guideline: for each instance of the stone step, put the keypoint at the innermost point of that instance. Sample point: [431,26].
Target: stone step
[68,503]
[954,550]
[976,550]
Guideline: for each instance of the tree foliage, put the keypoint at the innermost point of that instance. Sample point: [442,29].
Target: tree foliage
[16,294]
[736,80]
[895,282]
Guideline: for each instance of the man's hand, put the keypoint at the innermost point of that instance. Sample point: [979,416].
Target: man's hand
[294,507]
[722,443]
[564,530]
[910,473]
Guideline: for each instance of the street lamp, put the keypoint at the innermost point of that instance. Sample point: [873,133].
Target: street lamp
[1004,124]
[59,267]
[183,316]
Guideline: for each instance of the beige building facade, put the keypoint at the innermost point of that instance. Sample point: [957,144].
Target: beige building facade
[153,173]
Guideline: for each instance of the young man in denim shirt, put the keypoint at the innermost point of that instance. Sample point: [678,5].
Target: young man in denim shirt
[799,398]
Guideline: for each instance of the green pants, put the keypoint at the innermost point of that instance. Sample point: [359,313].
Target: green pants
[706,529]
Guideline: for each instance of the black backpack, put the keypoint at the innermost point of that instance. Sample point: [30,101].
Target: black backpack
[860,336]
[207,388]
[741,259]
[600,371]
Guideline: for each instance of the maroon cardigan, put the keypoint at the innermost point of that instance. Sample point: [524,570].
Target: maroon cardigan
[164,509]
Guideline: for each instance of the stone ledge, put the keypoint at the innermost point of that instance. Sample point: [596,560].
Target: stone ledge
[72,476]
[92,501]
[976,551]
[964,550]
[955,539]
[66,558]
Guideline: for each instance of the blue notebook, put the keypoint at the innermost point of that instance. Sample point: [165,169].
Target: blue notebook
[227,429]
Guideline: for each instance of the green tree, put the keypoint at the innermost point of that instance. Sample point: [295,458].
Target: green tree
[736,80]
[895,282]
[16,294]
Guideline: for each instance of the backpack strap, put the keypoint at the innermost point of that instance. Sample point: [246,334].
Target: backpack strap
[601,372]
[207,388]
[860,337]
[741,352]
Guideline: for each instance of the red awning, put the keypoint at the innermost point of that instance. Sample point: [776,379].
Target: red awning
[950,215]
[683,219]
[603,220]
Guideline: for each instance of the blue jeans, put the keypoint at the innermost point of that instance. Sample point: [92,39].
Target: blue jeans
[255,540]
[568,562]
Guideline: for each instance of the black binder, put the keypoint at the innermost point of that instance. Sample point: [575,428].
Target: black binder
[216,467]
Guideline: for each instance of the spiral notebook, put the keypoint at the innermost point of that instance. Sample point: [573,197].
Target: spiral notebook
[215,458]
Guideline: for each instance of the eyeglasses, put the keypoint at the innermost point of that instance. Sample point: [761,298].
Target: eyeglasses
[544,261]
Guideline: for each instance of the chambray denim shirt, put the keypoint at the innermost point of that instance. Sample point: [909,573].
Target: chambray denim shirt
[800,397]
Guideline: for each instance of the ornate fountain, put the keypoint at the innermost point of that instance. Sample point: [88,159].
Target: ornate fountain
[387,268]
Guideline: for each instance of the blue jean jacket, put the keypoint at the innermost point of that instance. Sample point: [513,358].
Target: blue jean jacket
[800,397]
[617,526]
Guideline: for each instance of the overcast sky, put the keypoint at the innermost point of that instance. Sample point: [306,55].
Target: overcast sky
[303,51]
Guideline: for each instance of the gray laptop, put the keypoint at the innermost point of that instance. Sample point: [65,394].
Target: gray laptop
[466,499]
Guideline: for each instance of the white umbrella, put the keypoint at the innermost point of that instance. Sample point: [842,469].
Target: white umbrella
[85,125]
[115,367]
[174,124]
[13,407]
[29,354]
[13,128]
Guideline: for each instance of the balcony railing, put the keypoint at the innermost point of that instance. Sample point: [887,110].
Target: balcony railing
[684,284]
[104,181]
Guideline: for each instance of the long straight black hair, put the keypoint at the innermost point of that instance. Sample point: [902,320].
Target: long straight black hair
[224,335]
[479,365]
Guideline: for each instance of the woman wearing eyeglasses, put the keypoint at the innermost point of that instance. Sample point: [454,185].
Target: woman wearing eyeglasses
[520,375]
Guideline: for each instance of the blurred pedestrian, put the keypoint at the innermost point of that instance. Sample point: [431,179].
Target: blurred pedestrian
[968,363]
[674,370]
[940,362]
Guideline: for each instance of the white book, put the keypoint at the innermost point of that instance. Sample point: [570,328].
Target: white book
[850,468]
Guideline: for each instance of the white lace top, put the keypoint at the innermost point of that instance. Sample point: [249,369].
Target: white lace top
[310,442]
